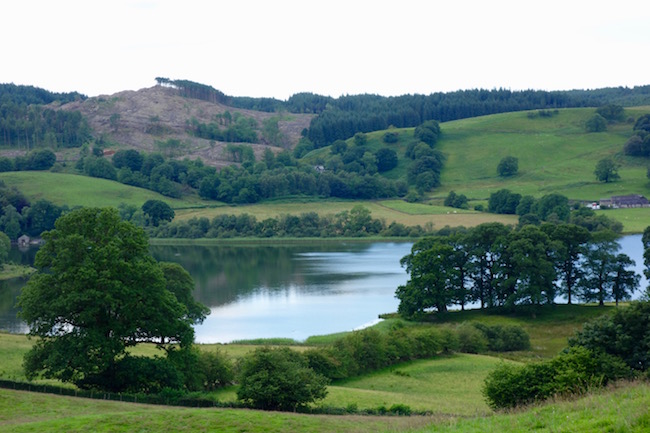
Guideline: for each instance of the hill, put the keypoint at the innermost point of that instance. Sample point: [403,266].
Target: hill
[144,118]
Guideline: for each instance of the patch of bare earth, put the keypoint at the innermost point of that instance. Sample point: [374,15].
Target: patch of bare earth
[140,119]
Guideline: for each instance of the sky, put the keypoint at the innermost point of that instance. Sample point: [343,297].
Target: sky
[276,48]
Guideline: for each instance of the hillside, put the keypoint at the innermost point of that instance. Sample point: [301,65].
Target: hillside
[139,119]
[556,155]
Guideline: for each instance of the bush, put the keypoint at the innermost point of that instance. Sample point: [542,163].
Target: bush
[625,334]
[573,371]
[278,379]
[596,123]
[471,339]
[504,338]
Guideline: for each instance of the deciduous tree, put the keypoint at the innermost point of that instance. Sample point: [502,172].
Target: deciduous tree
[98,292]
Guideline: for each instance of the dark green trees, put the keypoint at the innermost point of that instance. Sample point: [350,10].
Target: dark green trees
[508,166]
[596,123]
[157,211]
[497,266]
[97,292]
[606,170]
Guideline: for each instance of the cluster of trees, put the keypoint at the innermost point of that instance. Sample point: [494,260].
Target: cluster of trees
[341,118]
[639,143]
[230,129]
[357,222]
[552,208]
[276,175]
[26,123]
[501,267]
[458,201]
[40,159]
[608,348]
[18,216]
[191,89]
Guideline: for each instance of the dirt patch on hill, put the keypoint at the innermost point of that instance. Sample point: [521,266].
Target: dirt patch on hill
[141,119]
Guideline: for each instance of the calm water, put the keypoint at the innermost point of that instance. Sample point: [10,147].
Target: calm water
[284,291]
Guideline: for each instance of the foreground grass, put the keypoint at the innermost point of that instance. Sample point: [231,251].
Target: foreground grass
[30,412]
[622,409]
[446,386]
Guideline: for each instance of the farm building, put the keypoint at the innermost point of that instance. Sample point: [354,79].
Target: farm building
[625,201]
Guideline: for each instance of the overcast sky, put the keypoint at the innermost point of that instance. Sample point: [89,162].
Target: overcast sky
[275,48]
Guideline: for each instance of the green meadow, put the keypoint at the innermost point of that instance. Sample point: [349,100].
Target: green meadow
[76,190]
[555,155]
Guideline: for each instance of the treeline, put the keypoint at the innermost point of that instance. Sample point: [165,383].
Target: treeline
[357,222]
[549,208]
[345,116]
[639,143]
[274,176]
[498,266]
[25,122]
[340,118]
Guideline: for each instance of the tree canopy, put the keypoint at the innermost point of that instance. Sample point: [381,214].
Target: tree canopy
[97,292]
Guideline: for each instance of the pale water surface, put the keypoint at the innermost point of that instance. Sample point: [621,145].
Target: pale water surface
[292,291]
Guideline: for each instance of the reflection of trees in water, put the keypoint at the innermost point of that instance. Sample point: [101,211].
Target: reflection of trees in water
[9,291]
[224,273]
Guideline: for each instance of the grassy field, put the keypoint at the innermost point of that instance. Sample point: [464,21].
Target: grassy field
[448,387]
[76,190]
[555,155]
[410,214]
[622,409]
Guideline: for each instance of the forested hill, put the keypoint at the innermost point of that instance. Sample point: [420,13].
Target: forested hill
[198,116]
[341,118]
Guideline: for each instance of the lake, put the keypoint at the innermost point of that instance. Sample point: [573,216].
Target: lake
[293,291]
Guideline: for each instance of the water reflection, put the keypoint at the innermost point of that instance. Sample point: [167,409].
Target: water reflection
[290,291]
[284,290]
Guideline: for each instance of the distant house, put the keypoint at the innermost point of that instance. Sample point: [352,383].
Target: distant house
[625,201]
[23,241]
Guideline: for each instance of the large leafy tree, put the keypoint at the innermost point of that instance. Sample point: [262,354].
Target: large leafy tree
[599,266]
[606,170]
[433,278]
[529,255]
[156,211]
[97,292]
[570,244]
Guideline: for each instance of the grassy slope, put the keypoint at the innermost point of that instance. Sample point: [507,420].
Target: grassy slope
[615,410]
[555,155]
[75,190]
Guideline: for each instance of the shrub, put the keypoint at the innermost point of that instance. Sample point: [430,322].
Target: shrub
[279,379]
[625,334]
[504,338]
[471,339]
[573,371]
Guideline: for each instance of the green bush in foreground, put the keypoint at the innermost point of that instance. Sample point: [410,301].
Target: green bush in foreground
[279,379]
[572,372]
